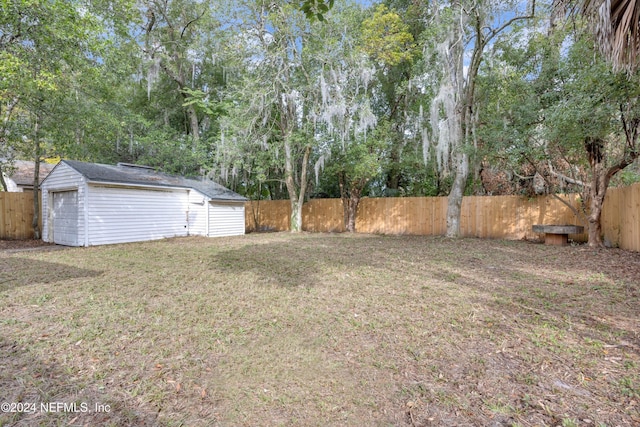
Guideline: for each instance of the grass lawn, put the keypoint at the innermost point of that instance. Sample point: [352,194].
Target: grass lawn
[321,330]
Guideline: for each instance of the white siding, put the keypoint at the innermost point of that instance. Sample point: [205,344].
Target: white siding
[12,187]
[198,203]
[62,178]
[126,214]
[226,219]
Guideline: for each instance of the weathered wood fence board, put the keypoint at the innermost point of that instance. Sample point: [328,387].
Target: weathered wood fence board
[323,215]
[267,215]
[502,217]
[16,215]
[621,217]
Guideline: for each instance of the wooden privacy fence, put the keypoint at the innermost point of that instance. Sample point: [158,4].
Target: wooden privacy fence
[621,217]
[503,217]
[16,215]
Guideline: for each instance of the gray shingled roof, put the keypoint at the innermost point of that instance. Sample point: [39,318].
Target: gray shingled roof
[23,171]
[132,174]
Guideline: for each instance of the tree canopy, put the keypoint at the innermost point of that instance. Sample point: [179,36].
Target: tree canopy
[311,98]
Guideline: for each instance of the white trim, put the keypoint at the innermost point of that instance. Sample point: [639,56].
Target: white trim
[208,218]
[65,188]
[49,216]
[143,186]
[87,195]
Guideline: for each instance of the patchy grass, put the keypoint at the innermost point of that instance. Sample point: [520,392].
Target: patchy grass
[322,329]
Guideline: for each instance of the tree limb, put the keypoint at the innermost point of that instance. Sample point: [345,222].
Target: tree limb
[523,177]
[497,31]
[191,22]
[573,209]
[564,177]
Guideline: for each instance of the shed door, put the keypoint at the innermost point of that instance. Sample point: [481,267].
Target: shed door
[65,218]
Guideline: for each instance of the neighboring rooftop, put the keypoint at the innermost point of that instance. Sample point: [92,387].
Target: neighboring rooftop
[125,173]
[24,170]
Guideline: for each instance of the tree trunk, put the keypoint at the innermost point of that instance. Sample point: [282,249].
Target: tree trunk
[352,211]
[194,127]
[36,184]
[2,181]
[454,202]
[597,190]
[595,226]
[350,202]
[180,79]
[296,195]
[350,195]
[295,222]
[393,175]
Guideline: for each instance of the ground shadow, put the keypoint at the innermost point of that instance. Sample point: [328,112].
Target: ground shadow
[35,392]
[598,289]
[302,261]
[16,272]
[520,276]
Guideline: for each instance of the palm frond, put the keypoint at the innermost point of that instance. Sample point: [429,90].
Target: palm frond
[617,28]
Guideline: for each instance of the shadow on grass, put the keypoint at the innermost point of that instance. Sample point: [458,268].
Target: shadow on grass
[559,286]
[302,261]
[16,272]
[525,279]
[53,395]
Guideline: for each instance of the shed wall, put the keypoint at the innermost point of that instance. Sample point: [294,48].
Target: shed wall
[126,214]
[226,219]
[198,204]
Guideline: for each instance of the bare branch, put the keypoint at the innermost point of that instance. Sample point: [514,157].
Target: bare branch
[191,22]
[564,177]
[523,177]
[509,22]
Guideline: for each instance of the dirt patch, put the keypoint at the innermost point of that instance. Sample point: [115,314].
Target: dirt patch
[324,329]
[18,245]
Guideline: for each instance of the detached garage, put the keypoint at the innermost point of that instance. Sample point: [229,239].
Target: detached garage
[86,204]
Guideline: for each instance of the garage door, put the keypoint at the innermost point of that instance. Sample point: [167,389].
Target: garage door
[65,218]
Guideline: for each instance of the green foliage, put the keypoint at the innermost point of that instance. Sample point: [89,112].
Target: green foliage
[386,38]
[591,99]
[363,159]
[315,9]
[557,94]
[629,177]
[511,117]
[45,67]
[118,80]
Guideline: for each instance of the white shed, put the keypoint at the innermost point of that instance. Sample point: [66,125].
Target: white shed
[86,204]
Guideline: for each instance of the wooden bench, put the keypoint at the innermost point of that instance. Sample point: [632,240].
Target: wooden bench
[557,234]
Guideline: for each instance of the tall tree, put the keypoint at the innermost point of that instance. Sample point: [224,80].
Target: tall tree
[175,37]
[564,114]
[596,124]
[467,28]
[271,96]
[389,38]
[344,115]
[43,46]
